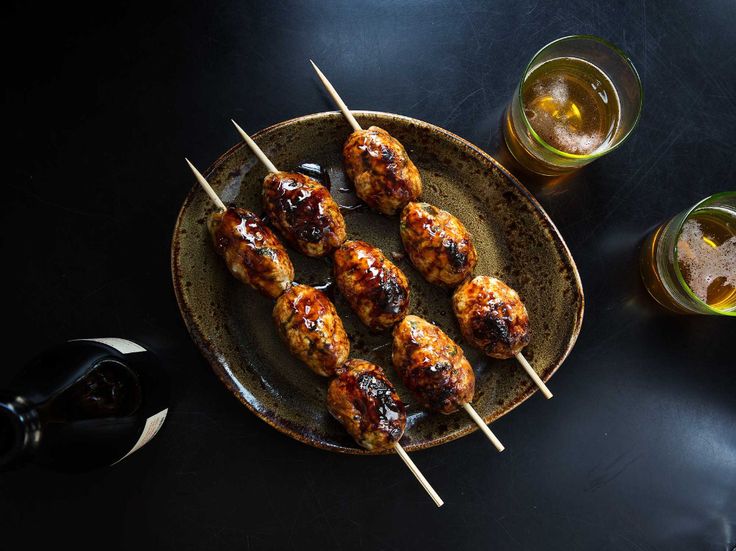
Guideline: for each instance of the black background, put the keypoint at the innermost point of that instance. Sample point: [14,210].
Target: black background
[637,451]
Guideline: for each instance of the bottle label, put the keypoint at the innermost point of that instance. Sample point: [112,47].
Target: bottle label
[153,424]
[123,346]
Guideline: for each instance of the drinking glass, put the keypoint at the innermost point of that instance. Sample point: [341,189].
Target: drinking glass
[688,263]
[579,98]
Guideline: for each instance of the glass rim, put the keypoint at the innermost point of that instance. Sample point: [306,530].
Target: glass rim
[626,60]
[678,272]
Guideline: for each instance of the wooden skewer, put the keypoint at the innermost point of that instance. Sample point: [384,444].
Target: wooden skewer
[335,96]
[257,150]
[482,425]
[206,186]
[211,192]
[418,474]
[533,374]
[348,115]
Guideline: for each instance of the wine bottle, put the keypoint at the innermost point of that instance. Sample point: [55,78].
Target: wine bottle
[84,404]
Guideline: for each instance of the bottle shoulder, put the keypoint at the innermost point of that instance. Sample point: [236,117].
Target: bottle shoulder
[91,400]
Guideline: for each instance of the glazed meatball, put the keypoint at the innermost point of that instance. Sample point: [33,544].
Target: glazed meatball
[491,316]
[309,325]
[304,212]
[438,244]
[366,403]
[252,252]
[376,289]
[432,366]
[383,175]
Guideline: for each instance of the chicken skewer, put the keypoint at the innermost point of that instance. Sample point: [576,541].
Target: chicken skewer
[253,254]
[493,318]
[371,187]
[301,208]
[382,420]
[435,370]
[306,320]
[376,289]
[437,244]
[310,327]
[442,249]
[383,174]
[363,399]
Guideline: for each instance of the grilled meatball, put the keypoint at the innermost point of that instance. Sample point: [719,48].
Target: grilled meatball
[432,366]
[304,212]
[382,172]
[438,244]
[366,403]
[309,325]
[252,252]
[375,288]
[491,316]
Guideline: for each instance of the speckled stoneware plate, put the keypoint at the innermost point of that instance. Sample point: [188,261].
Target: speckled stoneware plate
[515,238]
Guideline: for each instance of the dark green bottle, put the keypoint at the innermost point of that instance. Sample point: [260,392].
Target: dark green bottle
[85,404]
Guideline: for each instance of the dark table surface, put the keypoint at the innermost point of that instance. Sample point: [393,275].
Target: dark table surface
[637,451]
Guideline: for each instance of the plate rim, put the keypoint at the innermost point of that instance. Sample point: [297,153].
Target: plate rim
[271,417]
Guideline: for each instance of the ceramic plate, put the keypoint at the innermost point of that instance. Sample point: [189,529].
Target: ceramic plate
[516,241]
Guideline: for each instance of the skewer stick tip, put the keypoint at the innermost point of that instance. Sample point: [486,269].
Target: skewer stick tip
[320,74]
[533,374]
[336,97]
[206,186]
[483,427]
[257,150]
[418,474]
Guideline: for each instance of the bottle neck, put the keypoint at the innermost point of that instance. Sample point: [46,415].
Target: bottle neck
[20,431]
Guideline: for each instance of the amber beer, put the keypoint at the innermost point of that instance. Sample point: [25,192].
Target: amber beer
[578,99]
[689,263]
[571,105]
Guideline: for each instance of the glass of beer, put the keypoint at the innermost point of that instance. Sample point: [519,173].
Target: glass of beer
[579,98]
[689,263]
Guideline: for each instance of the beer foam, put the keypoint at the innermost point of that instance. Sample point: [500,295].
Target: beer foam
[557,90]
[572,142]
[557,130]
[703,262]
